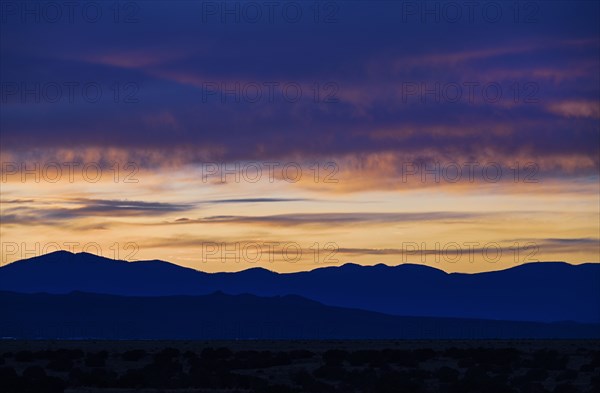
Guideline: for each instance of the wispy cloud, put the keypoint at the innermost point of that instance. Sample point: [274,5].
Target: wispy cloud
[339,218]
[50,213]
[256,200]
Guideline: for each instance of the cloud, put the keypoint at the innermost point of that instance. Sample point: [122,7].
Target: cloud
[174,122]
[16,201]
[328,219]
[256,200]
[580,109]
[527,247]
[50,213]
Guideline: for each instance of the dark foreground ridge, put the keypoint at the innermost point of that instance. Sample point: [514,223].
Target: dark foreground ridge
[220,316]
[300,366]
[541,292]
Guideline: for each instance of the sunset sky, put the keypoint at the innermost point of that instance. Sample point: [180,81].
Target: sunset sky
[305,135]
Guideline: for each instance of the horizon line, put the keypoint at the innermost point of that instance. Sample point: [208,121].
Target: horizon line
[256,268]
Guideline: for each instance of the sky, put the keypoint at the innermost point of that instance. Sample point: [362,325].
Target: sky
[294,135]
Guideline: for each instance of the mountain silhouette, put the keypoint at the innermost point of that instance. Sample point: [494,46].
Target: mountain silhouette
[219,316]
[539,292]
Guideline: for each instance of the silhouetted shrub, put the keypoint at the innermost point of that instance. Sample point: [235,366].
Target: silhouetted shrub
[166,354]
[566,388]
[596,358]
[404,358]
[251,359]
[334,357]
[75,377]
[423,354]
[480,386]
[536,374]
[72,354]
[496,356]
[308,383]
[201,377]
[43,355]
[189,355]
[394,382]
[256,384]
[35,380]
[458,353]
[223,353]
[531,387]
[134,355]
[213,354]
[60,365]
[420,374]
[10,381]
[45,385]
[360,379]
[132,379]
[329,371]
[447,374]
[278,389]
[567,375]
[498,359]
[548,359]
[301,354]
[98,377]
[215,375]
[476,374]
[34,372]
[24,356]
[362,357]
[164,372]
[97,359]
[302,377]
[477,380]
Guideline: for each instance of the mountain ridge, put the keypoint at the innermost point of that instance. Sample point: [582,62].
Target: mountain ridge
[256,268]
[83,315]
[516,293]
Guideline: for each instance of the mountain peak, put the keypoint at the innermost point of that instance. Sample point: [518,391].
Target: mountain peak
[60,253]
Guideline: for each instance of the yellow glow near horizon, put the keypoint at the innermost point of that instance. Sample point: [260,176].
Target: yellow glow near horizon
[223,227]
